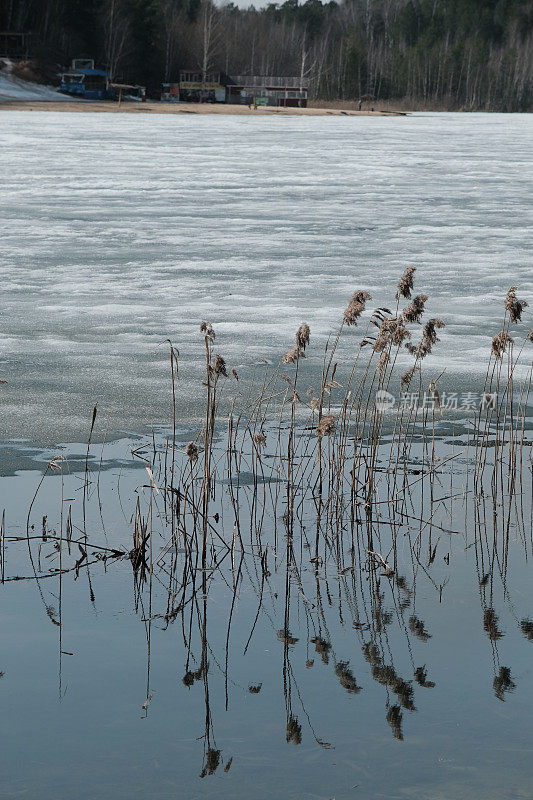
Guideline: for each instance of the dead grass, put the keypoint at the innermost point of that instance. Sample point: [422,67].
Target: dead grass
[153,107]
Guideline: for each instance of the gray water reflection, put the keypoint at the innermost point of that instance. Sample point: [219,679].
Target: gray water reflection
[280,670]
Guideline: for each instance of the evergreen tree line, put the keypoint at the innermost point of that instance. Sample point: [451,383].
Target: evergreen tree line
[471,54]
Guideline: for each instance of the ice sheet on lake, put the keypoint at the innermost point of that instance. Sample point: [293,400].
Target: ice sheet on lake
[122,230]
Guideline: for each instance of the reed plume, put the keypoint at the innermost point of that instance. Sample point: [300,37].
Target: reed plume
[429,338]
[356,306]
[326,426]
[500,343]
[413,312]
[391,331]
[405,284]
[191,451]
[513,305]
[207,329]
[259,439]
[219,367]
[407,377]
[291,356]
[302,336]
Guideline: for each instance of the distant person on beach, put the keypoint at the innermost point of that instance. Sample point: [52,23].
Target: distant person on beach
[360,104]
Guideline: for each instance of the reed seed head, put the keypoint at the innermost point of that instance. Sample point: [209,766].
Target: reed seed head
[413,312]
[407,377]
[513,305]
[191,451]
[429,338]
[219,367]
[259,439]
[500,343]
[391,331]
[293,355]
[326,426]
[207,329]
[302,336]
[356,306]
[406,282]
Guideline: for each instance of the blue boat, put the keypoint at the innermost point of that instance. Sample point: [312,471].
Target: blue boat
[83,80]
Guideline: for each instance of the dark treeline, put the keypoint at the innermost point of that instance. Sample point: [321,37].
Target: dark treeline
[471,54]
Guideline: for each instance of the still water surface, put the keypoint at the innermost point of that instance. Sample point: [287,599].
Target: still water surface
[326,722]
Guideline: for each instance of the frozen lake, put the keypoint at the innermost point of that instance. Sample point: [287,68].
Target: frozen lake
[119,231]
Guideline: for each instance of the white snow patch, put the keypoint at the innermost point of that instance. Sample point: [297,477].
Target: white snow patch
[14,89]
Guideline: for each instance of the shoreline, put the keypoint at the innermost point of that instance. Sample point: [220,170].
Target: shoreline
[108,107]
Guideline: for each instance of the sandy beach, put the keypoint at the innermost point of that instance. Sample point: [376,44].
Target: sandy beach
[81,106]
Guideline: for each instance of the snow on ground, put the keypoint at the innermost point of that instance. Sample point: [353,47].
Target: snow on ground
[15,89]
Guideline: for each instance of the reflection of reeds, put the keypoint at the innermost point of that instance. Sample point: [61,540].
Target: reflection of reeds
[346,677]
[502,683]
[527,629]
[294,730]
[490,624]
[394,718]
[418,628]
[421,676]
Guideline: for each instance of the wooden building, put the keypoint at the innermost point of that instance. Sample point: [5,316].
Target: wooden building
[264,90]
